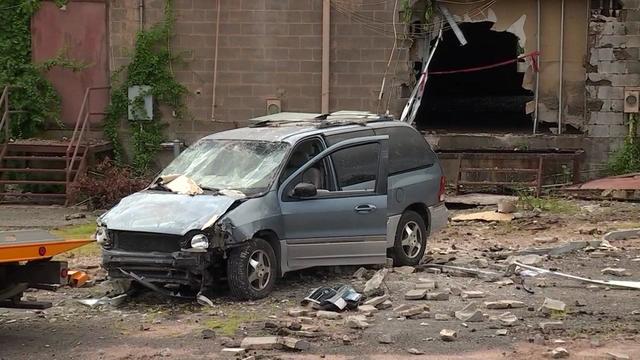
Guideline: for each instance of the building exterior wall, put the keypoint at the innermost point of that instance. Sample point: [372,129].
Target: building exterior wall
[268,49]
[613,64]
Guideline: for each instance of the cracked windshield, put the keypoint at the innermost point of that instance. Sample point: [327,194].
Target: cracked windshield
[247,166]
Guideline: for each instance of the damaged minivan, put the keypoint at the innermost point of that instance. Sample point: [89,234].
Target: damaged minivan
[252,204]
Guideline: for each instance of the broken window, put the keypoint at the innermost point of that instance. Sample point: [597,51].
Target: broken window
[489,100]
[606,7]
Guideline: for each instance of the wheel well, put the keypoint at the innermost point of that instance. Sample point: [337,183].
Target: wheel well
[422,210]
[271,237]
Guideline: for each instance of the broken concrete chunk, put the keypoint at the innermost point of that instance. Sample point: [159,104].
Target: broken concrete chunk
[415,351]
[295,312]
[548,326]
[294,344]
[531,259]
[455,291]
[417,294]
[448,335]
[622,235]
[360,273]
[470,313]
[507,206]
[427,285]
[356,322]
[375,301]
[507,319]
[406,270]
[504,304]
[442,317]
[385,339]
[367,308]
[385,305]
[234,351]
[260,343]
[615,272]
[412,311]
[551,306]
[438,296]
[329,315]
[502,332]
[559,353]
[346,340]
[617,356]
[472,294]
[373,286]
[504,282]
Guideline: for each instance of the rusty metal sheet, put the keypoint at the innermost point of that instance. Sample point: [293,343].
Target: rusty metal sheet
[622,182]
[80,32]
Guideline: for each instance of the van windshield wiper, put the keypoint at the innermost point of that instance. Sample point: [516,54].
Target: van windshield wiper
[207,188]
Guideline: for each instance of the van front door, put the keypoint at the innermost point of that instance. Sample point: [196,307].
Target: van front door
[344,224]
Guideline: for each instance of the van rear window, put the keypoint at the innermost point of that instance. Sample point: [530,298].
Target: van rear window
[408,150]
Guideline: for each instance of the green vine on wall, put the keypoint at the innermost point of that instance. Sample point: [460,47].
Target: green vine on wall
[31,93]
[150,66]
[627,159]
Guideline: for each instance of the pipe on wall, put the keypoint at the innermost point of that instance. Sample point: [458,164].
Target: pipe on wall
[215,65]
[141,14]
[326,48]
[561,87]
[537,100]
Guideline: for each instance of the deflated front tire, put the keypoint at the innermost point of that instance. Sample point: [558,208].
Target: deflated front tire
[252,270]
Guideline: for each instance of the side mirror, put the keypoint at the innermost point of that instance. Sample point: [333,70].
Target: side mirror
[304,190]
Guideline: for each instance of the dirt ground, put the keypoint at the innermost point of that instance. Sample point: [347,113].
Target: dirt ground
[598,320]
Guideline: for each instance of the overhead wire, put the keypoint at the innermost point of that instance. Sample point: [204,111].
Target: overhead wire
[382,28]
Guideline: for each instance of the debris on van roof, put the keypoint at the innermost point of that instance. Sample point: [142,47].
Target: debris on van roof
[337,118]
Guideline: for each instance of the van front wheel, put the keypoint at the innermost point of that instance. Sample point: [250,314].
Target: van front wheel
[251,270]
[411,240]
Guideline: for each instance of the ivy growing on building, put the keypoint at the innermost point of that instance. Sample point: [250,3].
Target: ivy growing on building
[31,93]
[627,159]
[151,65]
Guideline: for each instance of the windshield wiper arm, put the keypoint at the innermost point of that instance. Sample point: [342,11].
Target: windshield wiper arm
[215,190]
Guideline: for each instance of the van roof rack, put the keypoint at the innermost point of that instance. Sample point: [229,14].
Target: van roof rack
[321,121]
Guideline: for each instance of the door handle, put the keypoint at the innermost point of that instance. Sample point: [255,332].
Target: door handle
[365,209]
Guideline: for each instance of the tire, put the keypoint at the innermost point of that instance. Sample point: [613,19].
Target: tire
[252,270]
[411,252]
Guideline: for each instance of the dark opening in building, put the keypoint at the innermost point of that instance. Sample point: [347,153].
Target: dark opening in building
[491,100]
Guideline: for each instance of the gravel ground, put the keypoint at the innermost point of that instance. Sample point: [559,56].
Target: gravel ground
[598,320]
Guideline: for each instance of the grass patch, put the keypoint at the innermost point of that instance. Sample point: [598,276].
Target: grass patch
[230,324]
[84,231]
[551,205]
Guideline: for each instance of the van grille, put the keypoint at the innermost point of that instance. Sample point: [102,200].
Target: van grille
[145,242]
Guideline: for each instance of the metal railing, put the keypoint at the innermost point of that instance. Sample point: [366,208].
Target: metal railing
[83,125]
[4,105]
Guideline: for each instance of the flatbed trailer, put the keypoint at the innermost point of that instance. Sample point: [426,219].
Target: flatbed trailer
[25,262]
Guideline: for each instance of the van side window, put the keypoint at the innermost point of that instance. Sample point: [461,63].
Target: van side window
[408,150]
[336,138]
[356,167]
[303,152]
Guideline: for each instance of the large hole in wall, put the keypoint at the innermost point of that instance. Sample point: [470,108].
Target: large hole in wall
[490,100]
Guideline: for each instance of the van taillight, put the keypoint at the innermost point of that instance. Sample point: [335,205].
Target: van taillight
[443,183]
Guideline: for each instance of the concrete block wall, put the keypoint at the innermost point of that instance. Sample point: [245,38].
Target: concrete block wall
[267,49]
[613,64]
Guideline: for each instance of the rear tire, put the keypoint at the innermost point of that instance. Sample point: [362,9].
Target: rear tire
[252,270]
[411,240]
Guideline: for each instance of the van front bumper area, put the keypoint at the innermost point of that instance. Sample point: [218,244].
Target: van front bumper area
[180,267]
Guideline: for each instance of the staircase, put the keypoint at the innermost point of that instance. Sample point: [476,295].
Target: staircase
[44,171]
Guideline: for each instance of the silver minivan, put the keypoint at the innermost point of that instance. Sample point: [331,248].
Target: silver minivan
[252,204]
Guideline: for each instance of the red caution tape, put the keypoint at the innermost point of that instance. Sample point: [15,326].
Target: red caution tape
[533,55]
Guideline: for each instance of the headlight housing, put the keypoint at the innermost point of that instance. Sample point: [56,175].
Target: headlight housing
[102,237]
[200,242]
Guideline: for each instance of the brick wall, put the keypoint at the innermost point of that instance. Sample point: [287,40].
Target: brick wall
[267,49]
[613,64]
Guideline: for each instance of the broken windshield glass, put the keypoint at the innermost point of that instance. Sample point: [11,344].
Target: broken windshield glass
[248,166]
